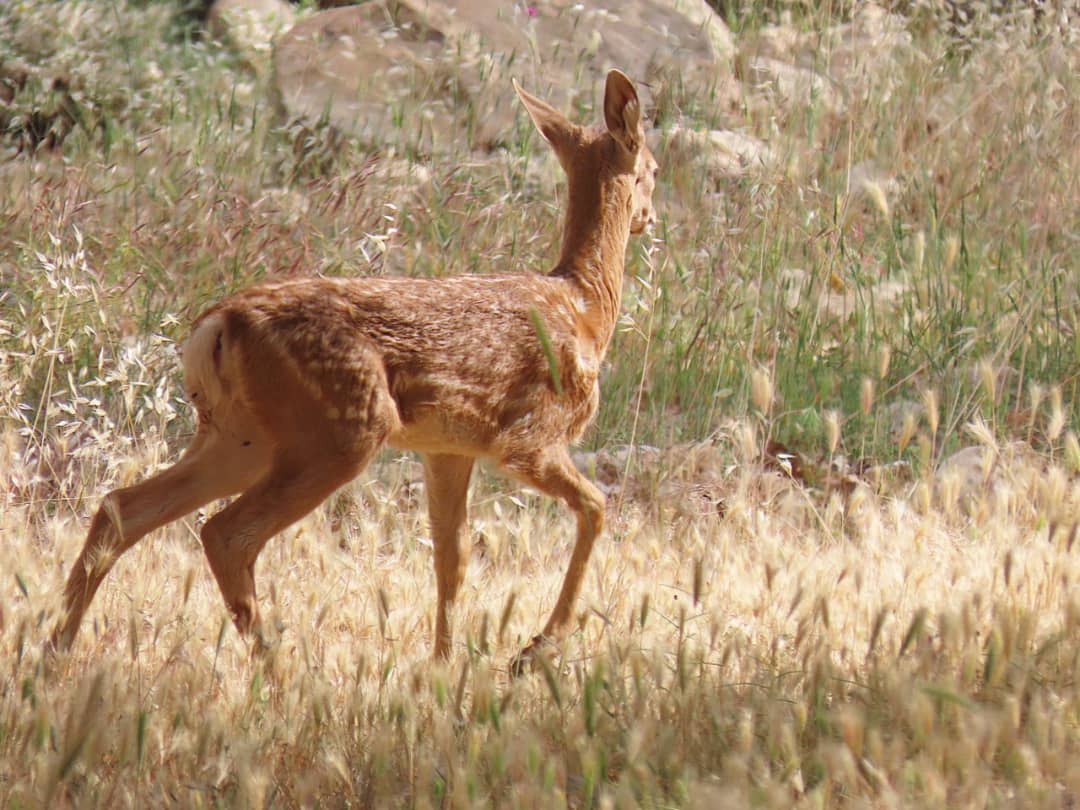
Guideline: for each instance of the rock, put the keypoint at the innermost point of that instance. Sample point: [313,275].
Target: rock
[556,39]
[835,299]
[790,87]
[864,45]
[903,416]
[988,476]
[360,67]
[841,304]
[867,47]
[700,14]
[834,65]
[718,154]
[784,43]
[966,474]
[362,72]
[250,27]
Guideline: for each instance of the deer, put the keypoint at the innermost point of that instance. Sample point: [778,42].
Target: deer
[296,384]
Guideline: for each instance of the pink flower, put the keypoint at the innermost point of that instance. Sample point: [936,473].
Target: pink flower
[531,11]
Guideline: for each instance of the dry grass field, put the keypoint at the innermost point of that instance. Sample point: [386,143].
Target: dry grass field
[837,432]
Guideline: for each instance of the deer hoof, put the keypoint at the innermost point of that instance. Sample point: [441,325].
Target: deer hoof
[533,656]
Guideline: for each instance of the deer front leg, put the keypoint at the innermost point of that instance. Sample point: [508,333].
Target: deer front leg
[553,473]
[447,478]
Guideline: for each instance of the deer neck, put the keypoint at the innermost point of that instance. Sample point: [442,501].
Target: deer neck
[593,257]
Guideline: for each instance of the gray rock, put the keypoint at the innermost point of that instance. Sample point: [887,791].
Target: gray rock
[792,87]
[421,71]
[365,73]
[717,154]
[829,67]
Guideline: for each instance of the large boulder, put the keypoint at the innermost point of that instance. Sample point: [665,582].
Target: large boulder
[716,156]
[824,69]
[416,72]
[365,72]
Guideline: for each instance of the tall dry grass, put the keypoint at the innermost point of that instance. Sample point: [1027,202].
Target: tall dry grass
[890,623]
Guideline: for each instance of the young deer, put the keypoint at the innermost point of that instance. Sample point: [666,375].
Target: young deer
[298,383]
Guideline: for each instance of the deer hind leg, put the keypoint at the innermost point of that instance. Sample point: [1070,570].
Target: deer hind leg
[447,478]
[313,458]
[552,472]
[233,538]
[214,466]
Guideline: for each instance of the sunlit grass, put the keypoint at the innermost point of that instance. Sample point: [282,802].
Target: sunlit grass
[894,624]
[788,651]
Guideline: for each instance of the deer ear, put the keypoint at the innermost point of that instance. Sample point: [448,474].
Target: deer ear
[622,111]
[551,123]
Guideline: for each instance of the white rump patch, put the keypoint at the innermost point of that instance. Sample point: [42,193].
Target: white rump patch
[202,380]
